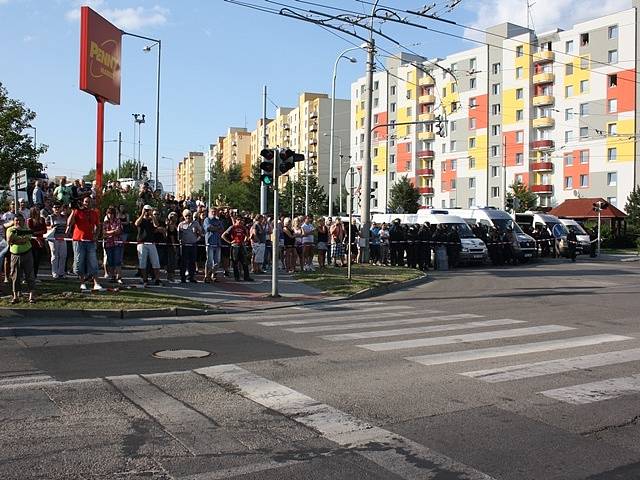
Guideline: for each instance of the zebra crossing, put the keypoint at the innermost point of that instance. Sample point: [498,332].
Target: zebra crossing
[375,326]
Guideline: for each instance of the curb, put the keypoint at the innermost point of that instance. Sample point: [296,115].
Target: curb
[388,288]
[6,313]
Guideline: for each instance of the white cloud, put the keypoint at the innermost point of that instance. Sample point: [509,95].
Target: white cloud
[547,14]
[132,18]
[28,38]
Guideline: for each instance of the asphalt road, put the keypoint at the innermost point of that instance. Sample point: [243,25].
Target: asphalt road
[529,372]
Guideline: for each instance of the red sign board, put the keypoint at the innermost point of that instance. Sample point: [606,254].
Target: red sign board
[100,54]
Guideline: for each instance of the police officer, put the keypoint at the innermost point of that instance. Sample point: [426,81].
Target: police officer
[424,247]
[572,240]
[412,245]
[396,238]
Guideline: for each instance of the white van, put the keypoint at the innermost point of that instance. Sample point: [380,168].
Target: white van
[584,240]
[525,246]
[551,223]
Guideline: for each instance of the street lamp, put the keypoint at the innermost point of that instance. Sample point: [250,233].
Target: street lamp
[332,127]
[138,118]
[339,174]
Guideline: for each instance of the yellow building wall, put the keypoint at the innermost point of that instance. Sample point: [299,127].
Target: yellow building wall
[577,76]
[479,152]
[624,141]
[380,160]
[449,98]
[509,105]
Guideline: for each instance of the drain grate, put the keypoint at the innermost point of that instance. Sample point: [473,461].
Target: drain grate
[180,354]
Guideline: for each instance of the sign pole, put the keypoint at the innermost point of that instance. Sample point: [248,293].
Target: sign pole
[275,241]
[350,220]
[15,192]
[99,148]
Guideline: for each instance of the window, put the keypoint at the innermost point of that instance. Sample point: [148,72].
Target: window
[454,165]
[519,72]
[472,163]
[454,88]
[454,67]
[375,102]
[612,154]
[472,142]
[495,109]
[444,148]
[495,130]
[375,169]
[612,105]
[568,135]
[584,181]
[495,89]
[392,107]
[444,204]
[613,31]
[519,94]
[408,94]
[584,109]
[443,166]
[584,132]
[376,85]
[471,202]
[568,46]
[392,158]
[568,113]
[495,150]
[519,115]
[453,145]
[613,80]
[375,118]
[568,69]
[519,51]
[494,171]
[408,165]
[453,184]
[612,129]
[393,176]
[473,64]
[455,106]
[473,102]
[375,152]
[472,182]
[568,91]
[584,39]
[518,179]
[472,124]
[568,182]
[613,201]
[472,83]
[392,90]
[452,125]
[584,156]
[568,160]
[409,113]
[495,192]
[520,137]
[408,148]
[584,63]
[444,91]
[584,86]
[495,68]
[612,179]
[519,158]
[613,56]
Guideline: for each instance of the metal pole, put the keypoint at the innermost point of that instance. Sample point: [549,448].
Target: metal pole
[139,144]
[157,171]
[331,133]
[15,193]
[351,173]
[209,184]
[134,147]
[119,153]
[306,185]
[275,247]
[263,187]
[293,186]
[504,172]
[599,210]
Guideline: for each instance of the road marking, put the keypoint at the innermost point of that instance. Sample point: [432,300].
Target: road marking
[538,369]
[334,306]
[395,453]
[383,323]
[334,319]
[508,350]
[468,337]
[596,391]
[339,314]
[25,381]
[418,330]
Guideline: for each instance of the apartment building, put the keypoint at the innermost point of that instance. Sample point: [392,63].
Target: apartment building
[190,174]
[554,110]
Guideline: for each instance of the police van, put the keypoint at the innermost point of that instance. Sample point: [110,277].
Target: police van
[551,223]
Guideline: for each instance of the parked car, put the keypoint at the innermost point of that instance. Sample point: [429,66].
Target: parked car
[584,240]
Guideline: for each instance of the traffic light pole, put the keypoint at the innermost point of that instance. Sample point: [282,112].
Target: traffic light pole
[263,187]
[599,212]
[351,173]
[365,212]
[275,240]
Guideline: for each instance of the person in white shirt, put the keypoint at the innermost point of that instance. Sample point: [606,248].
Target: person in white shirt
[308,230]
[23,209]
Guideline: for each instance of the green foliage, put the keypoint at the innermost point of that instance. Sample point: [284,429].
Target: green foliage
[318,200]
[526,199]
[128,169]
[633,210]
[404,195]
[17,149]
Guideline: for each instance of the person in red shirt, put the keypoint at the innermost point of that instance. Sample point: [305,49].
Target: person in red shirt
[236,235]
[86,221]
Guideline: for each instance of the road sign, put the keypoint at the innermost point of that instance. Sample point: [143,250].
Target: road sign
[21,178]
[557,231]
[356,179]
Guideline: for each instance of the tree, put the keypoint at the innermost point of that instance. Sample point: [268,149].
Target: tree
[633,210]
[405,196]
[128,169]
[318,200]
[17,149]
[522,197]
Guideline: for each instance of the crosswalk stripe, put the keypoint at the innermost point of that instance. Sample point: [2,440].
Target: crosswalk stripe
[469,337]
[341,313]
[596,391]
[537,369]
[303,320]
[403,457]
[383,323]
[409,331]
[25,380]
[508,350]
[334,306]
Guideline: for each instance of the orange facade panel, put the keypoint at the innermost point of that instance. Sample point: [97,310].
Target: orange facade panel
[576,163]
[381,133]
[480,110]
[513,148]
[447,174]
[622,88]
[403,157]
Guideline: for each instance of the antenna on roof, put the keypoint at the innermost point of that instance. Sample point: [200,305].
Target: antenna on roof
[530,24]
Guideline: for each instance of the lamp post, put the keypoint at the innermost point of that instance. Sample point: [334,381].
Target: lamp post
[138,118]
[158,43]
[332,126]
[341,156]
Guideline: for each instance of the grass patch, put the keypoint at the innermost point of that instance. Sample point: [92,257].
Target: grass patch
[619,251]
[65,295]
[333,280]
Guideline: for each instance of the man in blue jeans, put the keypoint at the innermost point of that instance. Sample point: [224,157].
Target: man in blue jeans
[213,228]
[85,222]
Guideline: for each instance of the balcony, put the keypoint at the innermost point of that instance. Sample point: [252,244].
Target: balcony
[542,100]
[426,117]
[313,115]
[543,122]
[542,166]
[427,99]
[427,172]
[542,189]
[541,144]
[425,154]
[543,56]
[426,190]
[426,136]
[426,81]
[286,126]
[544,77]
[314,127]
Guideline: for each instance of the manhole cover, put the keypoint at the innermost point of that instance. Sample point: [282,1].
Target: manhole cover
[179,354]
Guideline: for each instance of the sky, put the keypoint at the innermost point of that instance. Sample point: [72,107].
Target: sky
[216,57]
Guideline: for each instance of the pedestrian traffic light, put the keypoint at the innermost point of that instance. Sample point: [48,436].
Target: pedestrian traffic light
[268,156]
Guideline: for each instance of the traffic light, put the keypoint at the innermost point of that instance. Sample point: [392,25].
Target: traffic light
[287,159]
[440,126]
[268,156]
[599,206]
